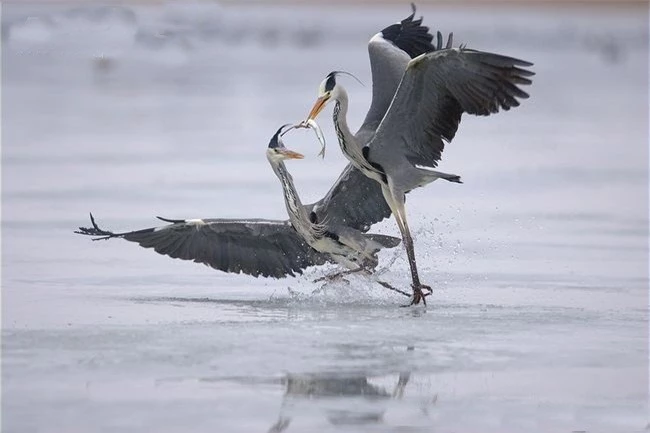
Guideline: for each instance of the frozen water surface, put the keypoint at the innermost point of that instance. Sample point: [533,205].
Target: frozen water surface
[539,321]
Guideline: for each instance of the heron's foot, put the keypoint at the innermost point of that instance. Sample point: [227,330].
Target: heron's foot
[420,293]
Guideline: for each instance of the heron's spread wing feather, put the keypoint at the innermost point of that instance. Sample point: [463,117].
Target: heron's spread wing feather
[390,51]
[410,35]
[256,247]
[436,89]
[354,201]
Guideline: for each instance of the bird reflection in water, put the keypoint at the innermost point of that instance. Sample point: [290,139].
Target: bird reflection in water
[333,390]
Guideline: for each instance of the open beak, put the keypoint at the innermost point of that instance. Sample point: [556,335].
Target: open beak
[290,154]
[318,107]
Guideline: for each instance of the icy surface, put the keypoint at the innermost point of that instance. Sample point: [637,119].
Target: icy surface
[539,321]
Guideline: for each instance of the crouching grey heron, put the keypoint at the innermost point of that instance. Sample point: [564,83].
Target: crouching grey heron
[347,246]
[416,106]
[327,231]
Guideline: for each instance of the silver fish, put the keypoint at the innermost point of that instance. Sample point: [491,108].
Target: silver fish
[311,124]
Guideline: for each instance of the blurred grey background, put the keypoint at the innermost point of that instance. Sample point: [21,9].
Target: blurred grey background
[131,110]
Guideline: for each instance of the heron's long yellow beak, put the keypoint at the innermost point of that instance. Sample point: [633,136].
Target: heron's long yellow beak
[318,107]
[290,154]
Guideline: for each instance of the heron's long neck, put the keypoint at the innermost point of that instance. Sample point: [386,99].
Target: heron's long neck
[349,144]
[297,213]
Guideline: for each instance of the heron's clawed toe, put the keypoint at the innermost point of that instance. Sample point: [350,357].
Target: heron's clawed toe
[420,293]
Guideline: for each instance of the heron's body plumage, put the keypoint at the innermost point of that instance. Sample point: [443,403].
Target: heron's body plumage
[420,92]
[345,245]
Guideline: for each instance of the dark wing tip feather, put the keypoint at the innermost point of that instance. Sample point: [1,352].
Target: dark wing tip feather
[167,220]
[523,72]
[413,9]
[450,41]
[491,82]
[501,60]
[410,35]
[96,231]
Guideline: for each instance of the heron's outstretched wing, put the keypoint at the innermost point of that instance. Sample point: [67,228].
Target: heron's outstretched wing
[354,201]
[256,247]
[437,88]
[390,51]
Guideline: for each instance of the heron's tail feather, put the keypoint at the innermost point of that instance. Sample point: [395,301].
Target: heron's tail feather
[451,177]
[374,244]
[435,174]
[383,240]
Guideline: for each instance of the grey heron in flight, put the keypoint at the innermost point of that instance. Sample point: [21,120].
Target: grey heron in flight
[417,102]
[329,230]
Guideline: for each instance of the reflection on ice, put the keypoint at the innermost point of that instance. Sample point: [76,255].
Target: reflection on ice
[334,394]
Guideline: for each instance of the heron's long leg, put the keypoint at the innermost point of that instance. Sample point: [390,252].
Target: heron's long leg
[403,380]
[280,425]
[396,204]
[354,271]
[339,274]
[394,289]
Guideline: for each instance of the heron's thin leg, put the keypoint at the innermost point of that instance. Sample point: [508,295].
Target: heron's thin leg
[396,203]
[280,425]
[410,249]
[403,380]
[394,289]
[418,295]
[339,274]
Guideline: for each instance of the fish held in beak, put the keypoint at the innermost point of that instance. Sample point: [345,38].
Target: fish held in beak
[311,124]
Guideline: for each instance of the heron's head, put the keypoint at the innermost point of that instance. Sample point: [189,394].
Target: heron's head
[276,151]
[327,91]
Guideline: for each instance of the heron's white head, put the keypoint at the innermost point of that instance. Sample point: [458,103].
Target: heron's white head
[277,152]
[329,90]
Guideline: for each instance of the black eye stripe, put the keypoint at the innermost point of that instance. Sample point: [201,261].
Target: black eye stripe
[330,83]
[273,144]
[275,140]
